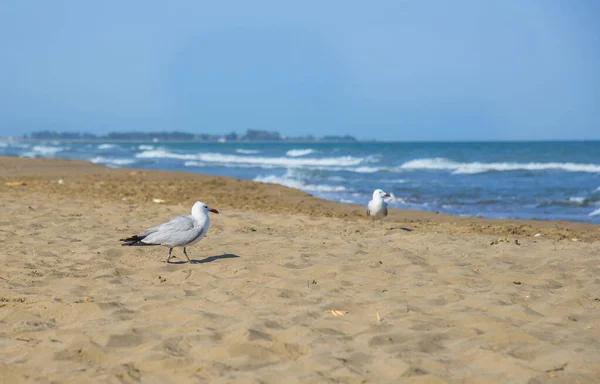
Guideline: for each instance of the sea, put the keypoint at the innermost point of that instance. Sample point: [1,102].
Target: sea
[522,180]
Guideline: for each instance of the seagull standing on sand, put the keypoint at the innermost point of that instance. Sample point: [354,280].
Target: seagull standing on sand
[377,208]
[181,231]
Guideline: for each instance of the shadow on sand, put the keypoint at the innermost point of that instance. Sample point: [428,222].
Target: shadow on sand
[209,259]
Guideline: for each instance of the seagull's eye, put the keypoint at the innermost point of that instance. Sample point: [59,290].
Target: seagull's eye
[206,206]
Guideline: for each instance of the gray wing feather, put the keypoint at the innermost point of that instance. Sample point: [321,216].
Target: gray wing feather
[179,231]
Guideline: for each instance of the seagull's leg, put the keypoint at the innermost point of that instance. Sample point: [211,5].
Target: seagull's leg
[186,255]
[169,258]
[372,221]
[381,222]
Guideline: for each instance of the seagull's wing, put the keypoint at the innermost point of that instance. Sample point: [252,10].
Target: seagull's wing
[369,209]
[177,232]
[177,223]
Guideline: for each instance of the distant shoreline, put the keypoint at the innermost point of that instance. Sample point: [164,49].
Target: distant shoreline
[185,141]
[27,140]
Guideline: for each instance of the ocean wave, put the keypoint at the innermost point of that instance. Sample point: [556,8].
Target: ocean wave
[13,144]
[146,147]
[284,162]
[595,213]
[111,162]
[577,200]
[394,181]
[200,164]
[247,151]
[440,163]
[163,154]
[106,146]
[297,184]
[43,151]
[196,164]
[299,152]
[366,170]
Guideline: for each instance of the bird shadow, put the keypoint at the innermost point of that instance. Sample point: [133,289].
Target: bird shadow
[209,259]
[403,229]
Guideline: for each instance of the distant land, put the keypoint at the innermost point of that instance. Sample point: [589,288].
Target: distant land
[251,135]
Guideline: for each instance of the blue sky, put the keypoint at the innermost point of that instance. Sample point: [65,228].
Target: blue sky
[404,70]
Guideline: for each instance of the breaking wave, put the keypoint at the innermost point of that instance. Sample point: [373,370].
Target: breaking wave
[43,151]
[247,151]
[284,162]
[106,146]
[111,162]
[440,163]
[288,181]
[299,152]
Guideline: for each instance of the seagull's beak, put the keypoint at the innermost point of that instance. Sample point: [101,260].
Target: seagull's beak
[214,211]
[387,195]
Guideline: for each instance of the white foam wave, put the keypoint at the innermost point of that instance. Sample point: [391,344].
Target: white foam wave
[200,164]
[395,181]
[299,152]
[111,162]
[162,154]
[42,150]
[440,163]
[598,189]
[146,147]
[106,146]
[297,184]
[595,213]
[247,151]
[194,164]
[219,158]
[577,200]
[366,170]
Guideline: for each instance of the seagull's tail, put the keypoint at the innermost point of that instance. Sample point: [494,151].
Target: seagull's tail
[134,241]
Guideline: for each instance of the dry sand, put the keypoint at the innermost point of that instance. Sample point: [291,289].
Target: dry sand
[426,299]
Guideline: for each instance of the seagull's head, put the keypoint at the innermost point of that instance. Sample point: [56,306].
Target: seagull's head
[202,207]
[378,193]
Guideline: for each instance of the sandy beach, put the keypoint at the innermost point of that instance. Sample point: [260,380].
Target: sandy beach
[286,288]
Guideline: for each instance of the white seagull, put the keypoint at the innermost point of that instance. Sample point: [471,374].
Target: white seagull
[377,208]
[181,231]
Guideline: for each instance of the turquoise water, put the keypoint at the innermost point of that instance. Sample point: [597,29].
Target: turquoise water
[541,180]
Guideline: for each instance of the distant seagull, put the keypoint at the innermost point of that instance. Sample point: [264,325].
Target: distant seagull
[377,208]
[181,231]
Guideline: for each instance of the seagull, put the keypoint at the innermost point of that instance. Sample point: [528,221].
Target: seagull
[181,231]
[377,208]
